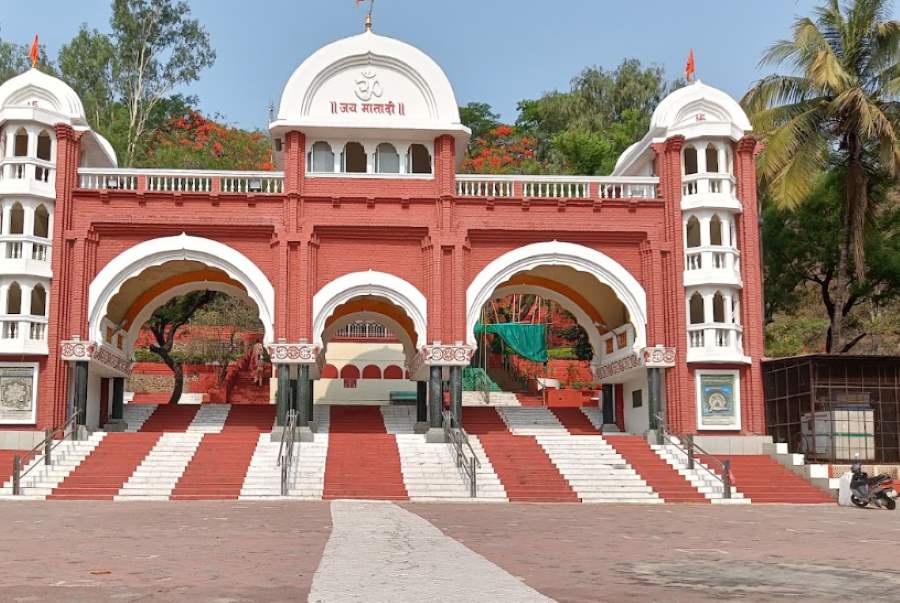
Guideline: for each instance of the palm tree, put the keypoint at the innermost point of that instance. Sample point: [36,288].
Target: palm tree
[839,107]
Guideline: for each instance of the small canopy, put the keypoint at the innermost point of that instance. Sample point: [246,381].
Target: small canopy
[525,339]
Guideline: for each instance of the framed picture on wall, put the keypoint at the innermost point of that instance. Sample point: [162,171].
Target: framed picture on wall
[718,400]
[18,387]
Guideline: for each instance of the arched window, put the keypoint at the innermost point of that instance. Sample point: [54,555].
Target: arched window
[38,301]
[387,161]
[321,158]
[393,372]
[693,232]
[41,222]
[329,372]
[17,219]
[43,146]
[715,230]
[350,375]
[696,303]
[718,307]
[21,145]
[418,160]
[690,161]
[370,371]
[712,159]
[14,299]
[353,159]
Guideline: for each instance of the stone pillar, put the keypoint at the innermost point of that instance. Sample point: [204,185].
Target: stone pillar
[435,397]
[283,394]
[79,400]
[421,406]
[654,384]
[456,394]
[303,390]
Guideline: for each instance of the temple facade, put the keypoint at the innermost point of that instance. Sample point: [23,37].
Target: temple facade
[368,220]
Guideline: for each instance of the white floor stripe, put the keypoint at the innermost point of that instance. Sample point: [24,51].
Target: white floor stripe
[407,559]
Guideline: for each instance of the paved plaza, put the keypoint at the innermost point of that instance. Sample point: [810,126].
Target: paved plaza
[367,551]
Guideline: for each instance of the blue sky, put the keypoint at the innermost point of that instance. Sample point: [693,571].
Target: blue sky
[496,51]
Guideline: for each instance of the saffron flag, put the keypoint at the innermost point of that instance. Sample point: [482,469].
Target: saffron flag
[34,53]
[689,68]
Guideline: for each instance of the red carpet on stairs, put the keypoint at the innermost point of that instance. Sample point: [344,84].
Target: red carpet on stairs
[535,400]
[107,468]
[658,474]
[575,421]
[6,462]
[762,479]
[524,469]
[363,460]
[171,417]
[251,418]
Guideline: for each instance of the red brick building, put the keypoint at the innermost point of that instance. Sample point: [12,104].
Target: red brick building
[368,219]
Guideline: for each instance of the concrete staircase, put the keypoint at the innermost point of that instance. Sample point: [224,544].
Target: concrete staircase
[596,472]
[136,415]
[701,479]
[530,421]
[210,418]
[42,479]
[156,476]
[659,475]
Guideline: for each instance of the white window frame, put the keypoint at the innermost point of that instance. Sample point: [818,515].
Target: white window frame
[736,426]
[34,391]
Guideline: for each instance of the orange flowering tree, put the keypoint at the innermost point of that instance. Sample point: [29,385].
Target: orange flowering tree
[502,150]
[193,141]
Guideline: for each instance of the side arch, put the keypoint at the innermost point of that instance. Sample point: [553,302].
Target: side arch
[555,253]
[155,252]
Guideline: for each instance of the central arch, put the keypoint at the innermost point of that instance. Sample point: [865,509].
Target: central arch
[203,263]
[494,278]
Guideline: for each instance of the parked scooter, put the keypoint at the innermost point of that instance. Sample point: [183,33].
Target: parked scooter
[878,490]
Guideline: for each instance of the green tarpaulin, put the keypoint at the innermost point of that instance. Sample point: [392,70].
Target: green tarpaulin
[525,339]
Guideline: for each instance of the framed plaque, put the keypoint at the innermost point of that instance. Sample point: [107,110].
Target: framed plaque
[18,392]
[718,400]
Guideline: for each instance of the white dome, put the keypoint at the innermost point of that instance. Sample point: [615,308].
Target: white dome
[686,106]
[371,82]
[37,90]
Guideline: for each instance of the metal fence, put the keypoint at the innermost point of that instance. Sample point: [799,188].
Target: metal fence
[835,408]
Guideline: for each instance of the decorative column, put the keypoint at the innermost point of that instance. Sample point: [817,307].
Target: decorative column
[656,359]
[437,356]
[284,355]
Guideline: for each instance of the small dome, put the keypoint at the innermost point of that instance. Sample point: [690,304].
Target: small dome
[372,82]
[37,90]
[695,103]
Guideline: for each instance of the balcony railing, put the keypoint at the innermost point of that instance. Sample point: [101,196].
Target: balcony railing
[181,181]
[714,258]
[715,341]
[23,334]
[27,175]
[714,184]
[556,187]
[24,247]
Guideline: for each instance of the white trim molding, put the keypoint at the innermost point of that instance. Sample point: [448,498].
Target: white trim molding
[156,252]
[371,282]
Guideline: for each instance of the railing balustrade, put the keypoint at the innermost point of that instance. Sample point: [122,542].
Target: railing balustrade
[712,257]
[716,184]
[718,335]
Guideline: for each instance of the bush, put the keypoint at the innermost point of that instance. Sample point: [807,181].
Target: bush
[562,354]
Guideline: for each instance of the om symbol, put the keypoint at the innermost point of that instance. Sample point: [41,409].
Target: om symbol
[368,87]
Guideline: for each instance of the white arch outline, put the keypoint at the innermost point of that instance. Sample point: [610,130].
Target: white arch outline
[556,253]
[409,346]
[371,282]
[156,252]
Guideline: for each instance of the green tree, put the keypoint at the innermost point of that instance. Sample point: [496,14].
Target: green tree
[802,258]
[480,118]
[585,130]
[841,96]
[86,63]
[14,60]
[158,47]
[164,324]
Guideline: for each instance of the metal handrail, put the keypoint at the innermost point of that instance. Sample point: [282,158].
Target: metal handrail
[690,452]
[458,438]
[286,452]
[47,445]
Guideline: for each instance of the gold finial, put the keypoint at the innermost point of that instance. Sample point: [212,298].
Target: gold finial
[368,12]
[369,21]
